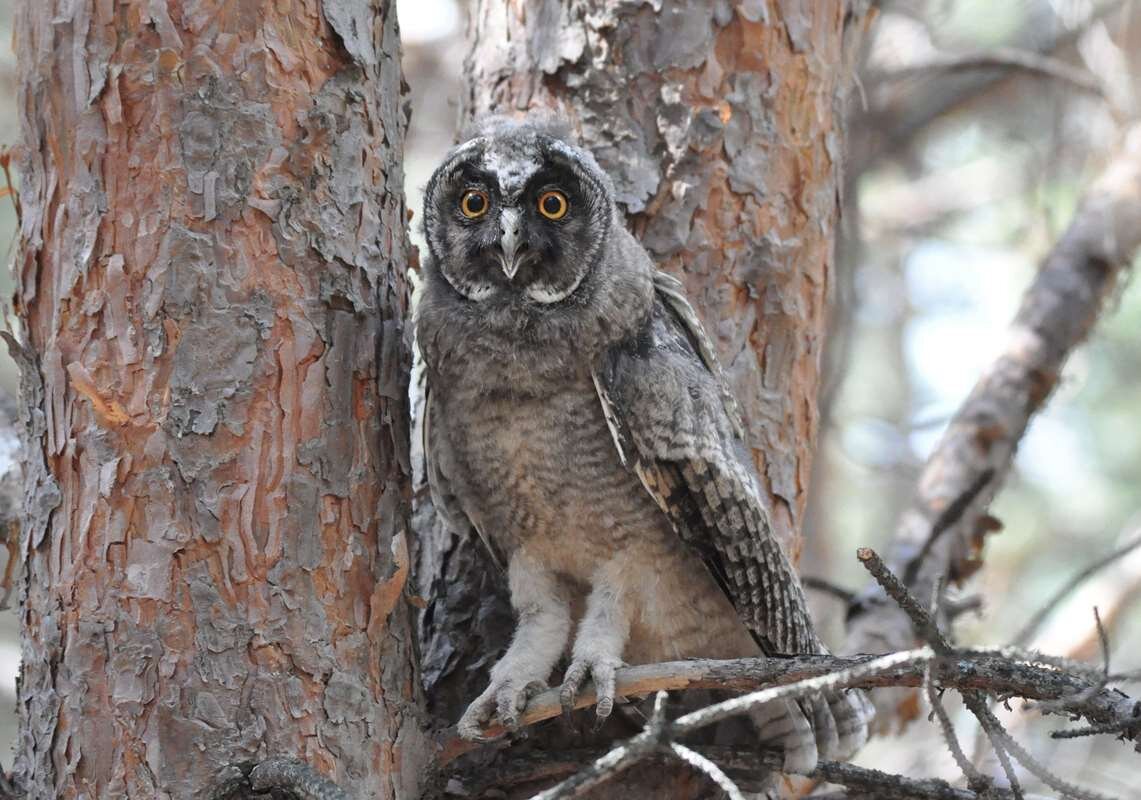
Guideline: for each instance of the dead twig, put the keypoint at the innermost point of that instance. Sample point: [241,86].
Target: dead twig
[1068,588]
[1004,58]
[845,596]
[861,782]
[1005,672]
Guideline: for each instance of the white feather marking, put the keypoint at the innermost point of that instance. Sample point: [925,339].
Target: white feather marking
[542,293]
[476,291]
[608,415]
[511,170]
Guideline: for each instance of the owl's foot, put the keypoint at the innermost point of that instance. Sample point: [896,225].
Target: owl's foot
[599,667]
[505,698]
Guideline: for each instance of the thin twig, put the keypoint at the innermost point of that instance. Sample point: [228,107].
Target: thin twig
[975,779]
[945,521]
[1006,58]
[924,624]
[977,705]
[827,587]
[1120,726]
[1038,770]
[660,731]
[840,679]
[623,756]
[861,782]
[703,764]
[660,734]
[1103,638]
[1031,627]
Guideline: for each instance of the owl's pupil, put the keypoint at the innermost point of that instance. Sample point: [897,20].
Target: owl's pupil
[552,205]
[475,203]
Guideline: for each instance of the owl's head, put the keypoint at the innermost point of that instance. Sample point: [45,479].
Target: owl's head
[517,213]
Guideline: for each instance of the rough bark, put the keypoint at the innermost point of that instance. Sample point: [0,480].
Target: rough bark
[720,124]
[942,533]
[211,284]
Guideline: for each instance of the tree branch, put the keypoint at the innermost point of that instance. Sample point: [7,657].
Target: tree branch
[897,117]
[1058,312]
[738,762]
[1031,627]
[1007,58]
[1006,673]
[937,663]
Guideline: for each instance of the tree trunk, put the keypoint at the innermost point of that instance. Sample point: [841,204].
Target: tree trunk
[721,125]
[212,290]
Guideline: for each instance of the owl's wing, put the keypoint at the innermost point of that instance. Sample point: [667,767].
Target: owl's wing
[676,425]
[446,503]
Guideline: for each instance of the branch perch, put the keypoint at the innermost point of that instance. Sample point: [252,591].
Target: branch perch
[1006,674]
[1079,692]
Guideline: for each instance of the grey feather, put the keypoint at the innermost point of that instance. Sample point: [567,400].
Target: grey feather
[579,423]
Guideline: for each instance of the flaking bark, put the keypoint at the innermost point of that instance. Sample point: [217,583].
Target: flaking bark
[211,285]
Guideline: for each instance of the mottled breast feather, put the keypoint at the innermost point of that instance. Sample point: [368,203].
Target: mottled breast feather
[676,425]
[444,500]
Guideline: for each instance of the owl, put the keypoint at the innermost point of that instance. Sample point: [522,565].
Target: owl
[577,421]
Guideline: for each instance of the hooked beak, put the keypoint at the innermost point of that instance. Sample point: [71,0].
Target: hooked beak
[509,241]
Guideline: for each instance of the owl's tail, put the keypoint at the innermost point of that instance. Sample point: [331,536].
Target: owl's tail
[825,727]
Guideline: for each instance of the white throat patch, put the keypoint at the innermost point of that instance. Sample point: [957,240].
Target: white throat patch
[542,293]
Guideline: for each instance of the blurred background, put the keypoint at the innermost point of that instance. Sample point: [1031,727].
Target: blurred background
[975,126]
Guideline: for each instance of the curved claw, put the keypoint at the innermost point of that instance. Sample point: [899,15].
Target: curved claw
[504,700]
[602,670]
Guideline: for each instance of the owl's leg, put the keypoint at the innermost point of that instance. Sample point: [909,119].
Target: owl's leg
[543,611]
[600,641]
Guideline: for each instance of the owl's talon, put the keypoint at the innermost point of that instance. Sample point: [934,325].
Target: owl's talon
[602,670]
[505,700]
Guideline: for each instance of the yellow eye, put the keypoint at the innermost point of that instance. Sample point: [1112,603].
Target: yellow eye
[474,203]
[553,204]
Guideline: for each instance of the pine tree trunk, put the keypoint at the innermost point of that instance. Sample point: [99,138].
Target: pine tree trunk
[212,290]
[721,125]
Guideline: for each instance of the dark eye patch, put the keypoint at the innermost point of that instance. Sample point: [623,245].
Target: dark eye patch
[472,176]
[554,177]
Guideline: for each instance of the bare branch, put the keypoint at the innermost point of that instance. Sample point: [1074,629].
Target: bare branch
[923,623]
[1005,672]
[1008,58]
[862,783]
[1095,730]
[703,764]
[993,726]
[1035,623]
[827,587]
[897,117]
[1058,312]
[838,679]
[977,704]
[975,779]
[649,741]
